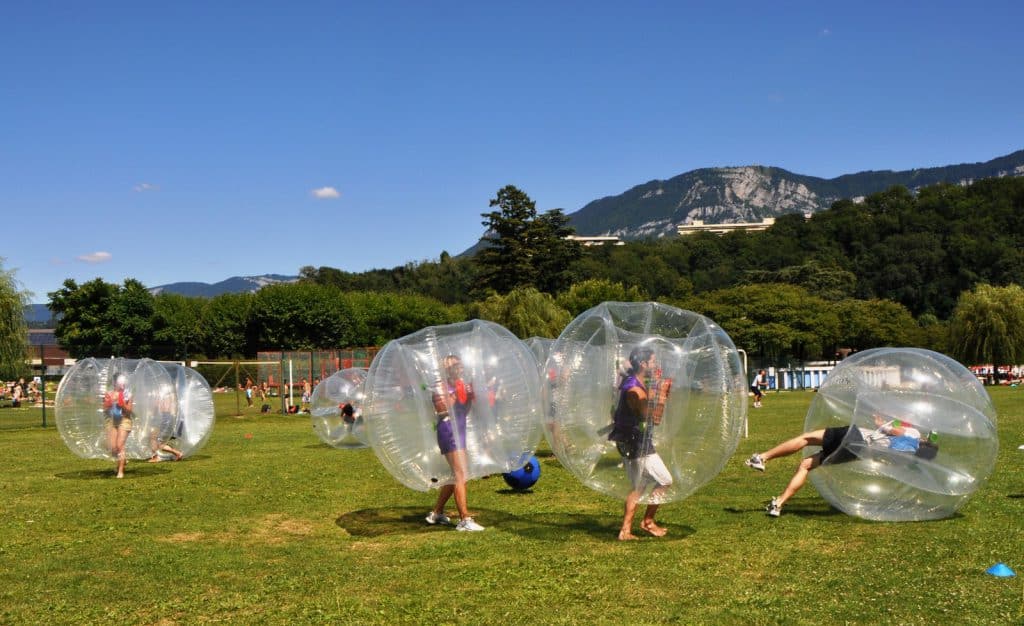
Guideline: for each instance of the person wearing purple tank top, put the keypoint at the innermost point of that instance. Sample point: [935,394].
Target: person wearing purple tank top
[452,408]
[633,433]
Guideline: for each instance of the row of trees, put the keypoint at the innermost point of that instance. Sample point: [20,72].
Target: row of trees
[802,289]
[98,318]
[773,322]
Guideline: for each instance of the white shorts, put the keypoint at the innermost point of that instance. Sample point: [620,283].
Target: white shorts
[646,471]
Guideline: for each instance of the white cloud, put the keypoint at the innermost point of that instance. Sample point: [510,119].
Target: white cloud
[825,32]
[95,257]
[142,187]
[325,193]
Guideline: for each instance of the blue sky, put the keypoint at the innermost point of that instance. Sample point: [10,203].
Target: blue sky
[195,141]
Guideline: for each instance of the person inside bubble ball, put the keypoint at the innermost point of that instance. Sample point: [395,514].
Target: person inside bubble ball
[638,411]
[164,431]
[117,407]
[350,416]
[895,434]
[452,402]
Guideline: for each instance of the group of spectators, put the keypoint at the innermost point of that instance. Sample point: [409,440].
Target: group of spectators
[17,392]
[262,392]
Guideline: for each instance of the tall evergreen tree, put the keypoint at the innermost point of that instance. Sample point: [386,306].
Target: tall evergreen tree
[524,249]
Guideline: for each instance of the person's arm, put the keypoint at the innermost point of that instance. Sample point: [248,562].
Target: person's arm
[891,427]
[636,398]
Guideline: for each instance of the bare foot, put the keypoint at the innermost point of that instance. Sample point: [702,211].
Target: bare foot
[626,535]
[154,459]
[120,475]
[178,455]
[653,528]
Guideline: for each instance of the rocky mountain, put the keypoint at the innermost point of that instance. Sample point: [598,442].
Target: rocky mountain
[235,284]
[723,195]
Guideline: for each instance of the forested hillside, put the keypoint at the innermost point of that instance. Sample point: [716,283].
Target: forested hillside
[920,250]
[891,270]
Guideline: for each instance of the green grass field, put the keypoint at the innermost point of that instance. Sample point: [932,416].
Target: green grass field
[267,525]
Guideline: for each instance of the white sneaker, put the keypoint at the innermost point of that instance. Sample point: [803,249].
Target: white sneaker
[773,509]
[438,518]
[467,523]
[755,462]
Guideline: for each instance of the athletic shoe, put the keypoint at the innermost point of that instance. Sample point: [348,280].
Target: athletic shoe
[755,462]
[467,523]
[438,518]
[773,509]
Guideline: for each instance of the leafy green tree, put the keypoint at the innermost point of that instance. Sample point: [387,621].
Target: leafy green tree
[823,280]
[228,328]
[524,249]
[449,279]
[868,324]
[526,312]
[13,331]
[178,329]
[100,319]
[934,333]
[387,316]
[83,310]
[772,321]
[302,316]
[590,293]
[129,325]
[988,325]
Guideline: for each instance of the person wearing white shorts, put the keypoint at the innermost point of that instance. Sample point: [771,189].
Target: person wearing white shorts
[633,433]
[646,472]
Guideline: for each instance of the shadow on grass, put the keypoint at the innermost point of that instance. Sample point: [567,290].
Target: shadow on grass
[139,469]
[540,526]
[325,446]
[391,521]
[828,514]
[558,526]
[1015,496]
[799,509]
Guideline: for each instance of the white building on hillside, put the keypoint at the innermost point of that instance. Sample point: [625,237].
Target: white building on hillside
[698,226]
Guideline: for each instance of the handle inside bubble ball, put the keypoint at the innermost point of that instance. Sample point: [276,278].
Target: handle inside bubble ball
[659,398]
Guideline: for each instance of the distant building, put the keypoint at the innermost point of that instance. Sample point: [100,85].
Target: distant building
[43,351]
[597,240]
[42,337]
[698,226]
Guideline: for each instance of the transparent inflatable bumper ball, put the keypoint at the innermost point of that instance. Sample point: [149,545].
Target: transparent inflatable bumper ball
[916,433]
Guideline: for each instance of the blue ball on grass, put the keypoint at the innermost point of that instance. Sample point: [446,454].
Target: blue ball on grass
[524,477]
